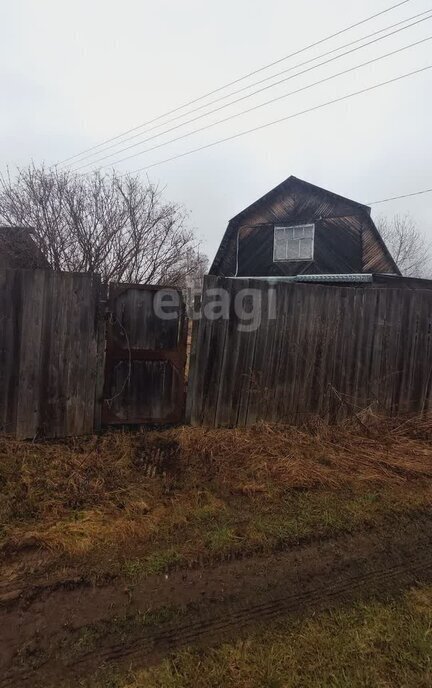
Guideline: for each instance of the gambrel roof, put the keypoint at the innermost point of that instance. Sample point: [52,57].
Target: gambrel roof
[296,201]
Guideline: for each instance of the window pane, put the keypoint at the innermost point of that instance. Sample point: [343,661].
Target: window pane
[279,233]
[293,250]
[293,243]
[306,248]
[298,232]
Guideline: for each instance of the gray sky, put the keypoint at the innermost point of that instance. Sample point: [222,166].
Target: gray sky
[74,74]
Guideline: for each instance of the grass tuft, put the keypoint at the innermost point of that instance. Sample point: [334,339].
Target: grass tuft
[156,563]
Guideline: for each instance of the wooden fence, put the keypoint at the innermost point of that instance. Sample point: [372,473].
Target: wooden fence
[71,360]
[319,349]
[50,353]
[294,350]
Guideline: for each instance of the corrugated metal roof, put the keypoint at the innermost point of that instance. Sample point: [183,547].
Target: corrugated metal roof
[360,277]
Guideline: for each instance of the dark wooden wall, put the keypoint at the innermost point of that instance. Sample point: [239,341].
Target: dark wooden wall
[50,352]
[330,351]
[337,249]
[346,239]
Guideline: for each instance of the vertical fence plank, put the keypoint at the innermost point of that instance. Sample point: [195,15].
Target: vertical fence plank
[192,356]
[331,350]
[48,352]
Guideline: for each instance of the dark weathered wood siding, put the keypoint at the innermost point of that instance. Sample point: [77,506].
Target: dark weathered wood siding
[375,259]
[337,249]
[144,380]
[346,240]
[329,351]
[19,251]
[48,352]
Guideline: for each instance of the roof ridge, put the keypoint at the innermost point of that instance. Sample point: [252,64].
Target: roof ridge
[294,179]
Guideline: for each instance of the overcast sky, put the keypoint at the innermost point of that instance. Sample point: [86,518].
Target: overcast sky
[75,73]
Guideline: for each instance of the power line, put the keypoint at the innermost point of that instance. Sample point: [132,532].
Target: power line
[265,88]
[268,102]
[397,198]
[238,80]
[283,119]
[249,86]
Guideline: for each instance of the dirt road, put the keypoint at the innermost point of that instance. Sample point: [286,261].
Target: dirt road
[63,631]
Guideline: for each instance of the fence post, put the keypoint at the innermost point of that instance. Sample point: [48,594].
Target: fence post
[101,312]
[192,359]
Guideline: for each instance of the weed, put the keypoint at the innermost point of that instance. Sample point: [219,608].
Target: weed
[156,563]
[221,539]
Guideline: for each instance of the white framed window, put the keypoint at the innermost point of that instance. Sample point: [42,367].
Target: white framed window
[293,243]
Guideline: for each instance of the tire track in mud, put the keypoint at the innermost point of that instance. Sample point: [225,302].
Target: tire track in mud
[312,579]
[188,634]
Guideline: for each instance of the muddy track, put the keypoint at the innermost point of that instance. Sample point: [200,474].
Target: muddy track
[218,603]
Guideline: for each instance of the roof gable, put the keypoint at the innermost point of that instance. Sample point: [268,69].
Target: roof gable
[293,184]
[301,202]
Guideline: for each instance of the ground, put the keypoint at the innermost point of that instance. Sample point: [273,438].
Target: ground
[262,557]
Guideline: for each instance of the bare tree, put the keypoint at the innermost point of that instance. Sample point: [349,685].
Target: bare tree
[115,225]
[409,248]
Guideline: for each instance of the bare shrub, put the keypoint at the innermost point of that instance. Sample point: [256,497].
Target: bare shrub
[114,225]
[408,246]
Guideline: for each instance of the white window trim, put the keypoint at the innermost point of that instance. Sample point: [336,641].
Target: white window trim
[293,260]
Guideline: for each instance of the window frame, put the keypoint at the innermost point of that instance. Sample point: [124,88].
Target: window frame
[309,225]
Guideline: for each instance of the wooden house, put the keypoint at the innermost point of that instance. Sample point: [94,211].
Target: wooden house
[18,249]
[301,229]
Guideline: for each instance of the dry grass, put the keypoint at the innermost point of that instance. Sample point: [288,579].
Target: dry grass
[313,457]
[215,492]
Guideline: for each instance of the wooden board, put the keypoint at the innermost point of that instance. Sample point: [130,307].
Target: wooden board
[50,345]
[330,350]
[145,358]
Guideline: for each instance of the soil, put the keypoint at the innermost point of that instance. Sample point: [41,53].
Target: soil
[43,629]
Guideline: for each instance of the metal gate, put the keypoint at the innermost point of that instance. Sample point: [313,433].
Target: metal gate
[145,355]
